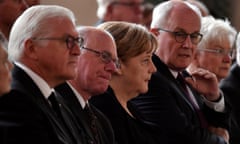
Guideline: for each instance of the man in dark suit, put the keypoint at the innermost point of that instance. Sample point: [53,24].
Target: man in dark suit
[97,61]
[44,46]
[187,114]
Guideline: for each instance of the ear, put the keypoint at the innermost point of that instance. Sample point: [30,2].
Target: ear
[30,49]
[155,31]
[119,71]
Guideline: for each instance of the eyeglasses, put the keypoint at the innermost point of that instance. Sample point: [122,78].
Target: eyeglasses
[222,52]
[68,39]
[129,4]
[182,36]
[105,56]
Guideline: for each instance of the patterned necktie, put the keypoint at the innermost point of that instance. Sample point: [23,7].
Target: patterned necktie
[93,120]
[201,116]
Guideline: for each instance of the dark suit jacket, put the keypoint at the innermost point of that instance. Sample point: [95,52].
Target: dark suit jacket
[103,125]
[127,129]
[230,87]
[166,107]
[27,118]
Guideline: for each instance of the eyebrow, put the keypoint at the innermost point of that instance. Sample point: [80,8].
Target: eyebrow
[182,30]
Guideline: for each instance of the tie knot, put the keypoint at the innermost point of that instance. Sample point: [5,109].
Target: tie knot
[180,78]
[53,100]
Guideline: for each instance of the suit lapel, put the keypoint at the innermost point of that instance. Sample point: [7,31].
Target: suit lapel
[73,103]
[23,83]
[164,74]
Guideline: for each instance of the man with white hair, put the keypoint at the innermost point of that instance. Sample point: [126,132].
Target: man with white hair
[44,46]
[187,108]
[120,10]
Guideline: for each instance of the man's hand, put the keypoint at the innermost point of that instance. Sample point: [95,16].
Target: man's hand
[220,132]
[206,83]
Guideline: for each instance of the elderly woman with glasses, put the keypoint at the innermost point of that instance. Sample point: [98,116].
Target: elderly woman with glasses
[135,47]
[215,49]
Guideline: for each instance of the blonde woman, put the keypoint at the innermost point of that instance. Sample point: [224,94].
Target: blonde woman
[135,47]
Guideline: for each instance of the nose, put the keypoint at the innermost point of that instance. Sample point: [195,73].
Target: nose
[110,67]
[227,58]
[75,50]
[152,68]
[188,42]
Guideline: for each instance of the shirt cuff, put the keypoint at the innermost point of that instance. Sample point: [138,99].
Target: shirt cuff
[218,106]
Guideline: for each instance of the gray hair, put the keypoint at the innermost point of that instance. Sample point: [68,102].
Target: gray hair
[34,22]
[216,30]
[102,7]
[161,12]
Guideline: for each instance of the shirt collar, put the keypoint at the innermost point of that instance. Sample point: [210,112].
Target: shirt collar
[41,83]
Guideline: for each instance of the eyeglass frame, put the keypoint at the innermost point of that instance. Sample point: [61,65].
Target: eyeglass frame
[181,34]
[221,52]
[68,39]
[106,57]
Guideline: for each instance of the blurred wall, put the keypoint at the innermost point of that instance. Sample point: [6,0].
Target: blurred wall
[85,10]
[236,14]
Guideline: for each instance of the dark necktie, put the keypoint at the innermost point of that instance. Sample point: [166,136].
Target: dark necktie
[54,104]
[93,120]
[65,118]
[201,116]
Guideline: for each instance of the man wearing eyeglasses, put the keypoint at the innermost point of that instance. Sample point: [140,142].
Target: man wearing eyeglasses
[44,46]
[186,110]
[96,64]
[120,10]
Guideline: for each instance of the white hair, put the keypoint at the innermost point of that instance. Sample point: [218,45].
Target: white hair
[161,12]
[32,23]
[216,30]
[102,7]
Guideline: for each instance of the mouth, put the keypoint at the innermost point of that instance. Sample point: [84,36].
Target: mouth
[225,68]
[105,77]
[73,62]
[147,80]
[185,55]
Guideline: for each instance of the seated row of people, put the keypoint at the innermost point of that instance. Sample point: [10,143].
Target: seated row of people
[118,82]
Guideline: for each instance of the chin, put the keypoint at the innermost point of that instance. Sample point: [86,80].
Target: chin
[144,90]
[4,91]
[100,90]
